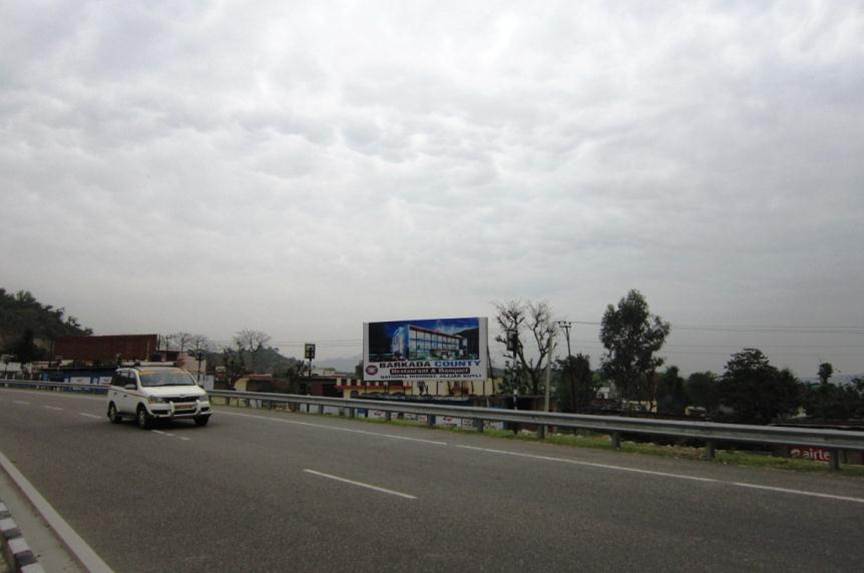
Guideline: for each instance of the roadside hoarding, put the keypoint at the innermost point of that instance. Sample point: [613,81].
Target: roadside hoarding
[425,349]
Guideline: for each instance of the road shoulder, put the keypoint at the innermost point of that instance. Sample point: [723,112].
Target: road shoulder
[50,551]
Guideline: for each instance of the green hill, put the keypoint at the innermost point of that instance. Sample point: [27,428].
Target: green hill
[266,361]
[24,320]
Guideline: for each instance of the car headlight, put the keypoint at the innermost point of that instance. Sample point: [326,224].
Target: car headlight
[203,399]
[155,400]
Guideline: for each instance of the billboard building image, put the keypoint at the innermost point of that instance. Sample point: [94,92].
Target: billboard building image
[416,343]
[429,349]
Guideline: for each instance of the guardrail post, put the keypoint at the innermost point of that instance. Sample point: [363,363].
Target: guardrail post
[834,464]
[478,424]
[616,440]
[430,420]
[541,432]
[710,449]
[320,409]
[352,412]
[388,415]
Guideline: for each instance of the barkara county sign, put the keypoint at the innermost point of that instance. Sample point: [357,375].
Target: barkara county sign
[427,349]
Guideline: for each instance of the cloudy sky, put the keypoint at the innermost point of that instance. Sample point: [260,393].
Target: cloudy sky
[302,167]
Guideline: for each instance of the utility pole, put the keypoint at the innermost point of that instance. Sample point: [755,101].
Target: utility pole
[566,325]
[548,370]
[199,356]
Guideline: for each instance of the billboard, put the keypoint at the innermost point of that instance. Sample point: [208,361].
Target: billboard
[426,349]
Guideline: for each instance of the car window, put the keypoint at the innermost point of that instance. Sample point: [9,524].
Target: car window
[153,378]
[118,379]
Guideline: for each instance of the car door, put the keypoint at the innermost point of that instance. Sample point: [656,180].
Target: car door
[115,390]
[128,398]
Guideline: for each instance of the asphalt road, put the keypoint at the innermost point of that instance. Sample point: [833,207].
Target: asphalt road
[273,492]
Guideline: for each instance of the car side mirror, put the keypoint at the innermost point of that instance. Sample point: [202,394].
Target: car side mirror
[130,387]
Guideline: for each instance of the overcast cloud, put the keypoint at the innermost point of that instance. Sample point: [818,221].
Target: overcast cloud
[299,168]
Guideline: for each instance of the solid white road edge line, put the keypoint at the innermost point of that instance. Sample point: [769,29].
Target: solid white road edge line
[335,429]
[590,464]
[665,474]
[360,484]
[796,491]
[88,558]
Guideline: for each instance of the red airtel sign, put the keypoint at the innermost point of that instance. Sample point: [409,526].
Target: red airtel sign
[810,453]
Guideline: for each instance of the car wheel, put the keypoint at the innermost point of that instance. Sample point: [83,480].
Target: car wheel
[143,418]
[113,415]
[201,420]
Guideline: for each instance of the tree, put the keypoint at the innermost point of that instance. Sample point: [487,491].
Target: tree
[178,340]
[671,393]
[249,344]
[755,390]
[21,311]
[25,349]
[702,390]
[827,401]
[825,372]
[233,363]
[251,340]
[519,320]
[577,385]
[632,336]
[200,343]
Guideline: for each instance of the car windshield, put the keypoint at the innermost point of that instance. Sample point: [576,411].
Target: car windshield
[151,378]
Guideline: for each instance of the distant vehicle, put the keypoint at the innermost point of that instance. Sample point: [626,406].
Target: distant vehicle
[156,393]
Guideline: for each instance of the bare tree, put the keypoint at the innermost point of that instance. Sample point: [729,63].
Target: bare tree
[200,343]
[177,341]
[517,320]
[251,340]
[166,341]
[250,343]
[182,339]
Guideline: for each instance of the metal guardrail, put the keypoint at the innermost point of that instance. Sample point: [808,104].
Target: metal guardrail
[709,432]
[46,385]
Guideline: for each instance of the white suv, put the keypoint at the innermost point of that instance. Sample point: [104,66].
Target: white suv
[156,392]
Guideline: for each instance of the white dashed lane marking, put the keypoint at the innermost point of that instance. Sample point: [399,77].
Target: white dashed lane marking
[90,415]
[361,484]
[22,402]
[55,408]
[335,428]
[170,435]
